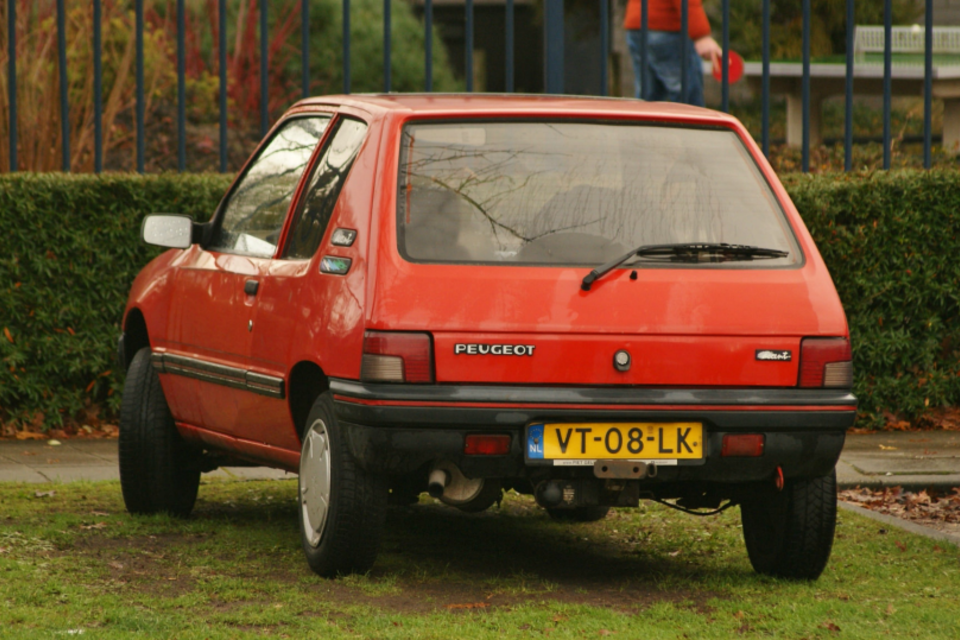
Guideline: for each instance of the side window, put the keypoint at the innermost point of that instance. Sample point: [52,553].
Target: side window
[323,190]
[254,214]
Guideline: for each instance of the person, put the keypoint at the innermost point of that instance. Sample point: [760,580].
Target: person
[664,53]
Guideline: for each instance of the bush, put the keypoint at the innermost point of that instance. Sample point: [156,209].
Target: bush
[69,250]
[891,242]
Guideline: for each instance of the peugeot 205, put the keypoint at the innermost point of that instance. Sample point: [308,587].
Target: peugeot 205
[591,301]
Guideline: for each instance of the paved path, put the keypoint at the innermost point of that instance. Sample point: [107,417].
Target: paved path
[913,460]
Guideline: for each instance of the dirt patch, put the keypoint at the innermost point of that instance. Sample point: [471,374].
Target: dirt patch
[432,559]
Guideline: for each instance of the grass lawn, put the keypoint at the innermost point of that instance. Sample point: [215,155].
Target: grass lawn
[76,563]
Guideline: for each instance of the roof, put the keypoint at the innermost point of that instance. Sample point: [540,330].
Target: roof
[512,103]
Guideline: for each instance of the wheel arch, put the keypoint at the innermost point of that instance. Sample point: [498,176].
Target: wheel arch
[307,381]
[135,337]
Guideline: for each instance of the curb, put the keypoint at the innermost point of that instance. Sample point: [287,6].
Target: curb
[900,523]
[889,482]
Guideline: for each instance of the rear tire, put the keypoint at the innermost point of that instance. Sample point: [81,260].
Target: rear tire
[342,508]
[159,471]
[789,534]
[579,514]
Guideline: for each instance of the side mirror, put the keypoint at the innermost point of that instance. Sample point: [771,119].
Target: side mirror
[167,230]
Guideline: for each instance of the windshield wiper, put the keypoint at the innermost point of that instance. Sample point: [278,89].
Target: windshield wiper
[686,252]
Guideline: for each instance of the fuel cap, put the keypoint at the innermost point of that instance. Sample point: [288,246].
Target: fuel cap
[621,360]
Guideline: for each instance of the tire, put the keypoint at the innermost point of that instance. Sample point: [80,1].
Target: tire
[579,514]
[342,508]
[789,534]
[159,471]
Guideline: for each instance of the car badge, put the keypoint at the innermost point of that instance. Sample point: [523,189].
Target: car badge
[774,355]
[621,360]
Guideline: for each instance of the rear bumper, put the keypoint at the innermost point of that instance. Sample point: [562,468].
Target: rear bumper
[396,429]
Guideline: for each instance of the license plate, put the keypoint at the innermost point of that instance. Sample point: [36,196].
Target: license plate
[604,441]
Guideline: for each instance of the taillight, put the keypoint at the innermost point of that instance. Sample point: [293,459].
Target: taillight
[396,357]
[746,445]
[486,445]
[826,362]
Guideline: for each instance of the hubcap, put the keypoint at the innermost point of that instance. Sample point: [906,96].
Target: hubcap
[315,482]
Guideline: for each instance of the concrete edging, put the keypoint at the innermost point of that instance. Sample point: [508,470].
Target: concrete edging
[900,523]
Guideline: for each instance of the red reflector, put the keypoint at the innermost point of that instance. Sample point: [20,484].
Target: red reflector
[749,445]
[414,349]
[490,445]
[816,353]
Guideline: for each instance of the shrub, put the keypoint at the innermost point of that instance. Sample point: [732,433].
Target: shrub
[69,249]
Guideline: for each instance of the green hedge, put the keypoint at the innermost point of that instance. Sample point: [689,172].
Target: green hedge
[892,243]
[69,250]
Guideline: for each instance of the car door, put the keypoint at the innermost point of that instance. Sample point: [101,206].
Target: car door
[284,300]
[217,285]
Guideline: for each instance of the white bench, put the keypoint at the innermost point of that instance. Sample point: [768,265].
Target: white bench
[906,77]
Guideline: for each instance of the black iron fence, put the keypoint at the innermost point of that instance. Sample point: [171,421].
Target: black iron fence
[553,71]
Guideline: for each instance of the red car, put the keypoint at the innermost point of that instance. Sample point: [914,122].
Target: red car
[593,301]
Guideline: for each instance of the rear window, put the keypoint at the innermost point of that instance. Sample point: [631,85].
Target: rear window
[579,194]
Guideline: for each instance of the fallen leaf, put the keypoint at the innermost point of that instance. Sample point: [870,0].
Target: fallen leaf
[886,448]
[469,605]
[278,606]
[95,525]
[900,545]
[71,331]
[6,332]
[604,632]
[559,618]
[28,453]
[53,443]
[44,494]
[890,609]
[673,554]
[115,565]
[99,513]
[397,624]
[4,549]
[829,626]
[90,386]
[30,435]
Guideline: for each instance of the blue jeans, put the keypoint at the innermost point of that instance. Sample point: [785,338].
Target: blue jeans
[663,67]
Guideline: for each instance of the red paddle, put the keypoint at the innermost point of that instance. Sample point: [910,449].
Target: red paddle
[734,67]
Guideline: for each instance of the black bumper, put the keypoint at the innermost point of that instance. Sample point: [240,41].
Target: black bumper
[396,429]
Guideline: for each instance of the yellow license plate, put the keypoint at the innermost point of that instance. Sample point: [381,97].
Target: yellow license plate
[598,441]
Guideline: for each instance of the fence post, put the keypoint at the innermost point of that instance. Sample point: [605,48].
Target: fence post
[604,46]
[222,46]
[509,36]
[805,89]
[887,81]
[927,84]
[140,105]
[305,47]
[428,45]
[12,78]
[97,87]
[64,86]
[848,105]
[386,46]
[181,88]
[684,49]
[765,83]
[553,46]
[346,46]
[644,31]
[468,44]
[264,70]
[725,61]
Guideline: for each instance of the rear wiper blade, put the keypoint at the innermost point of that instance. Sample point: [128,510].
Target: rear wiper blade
[686,252]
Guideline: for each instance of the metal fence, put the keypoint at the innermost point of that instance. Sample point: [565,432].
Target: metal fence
[553,33]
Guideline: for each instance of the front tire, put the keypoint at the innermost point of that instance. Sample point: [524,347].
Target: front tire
[342,507]
[789,534]
[159,471]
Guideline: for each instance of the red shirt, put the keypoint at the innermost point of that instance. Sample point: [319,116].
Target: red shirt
[665,16]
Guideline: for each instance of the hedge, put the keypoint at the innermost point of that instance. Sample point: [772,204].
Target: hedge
[69,249]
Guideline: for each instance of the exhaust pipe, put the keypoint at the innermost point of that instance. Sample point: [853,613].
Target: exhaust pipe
[439,479]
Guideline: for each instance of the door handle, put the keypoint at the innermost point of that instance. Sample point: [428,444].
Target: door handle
[250,287]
